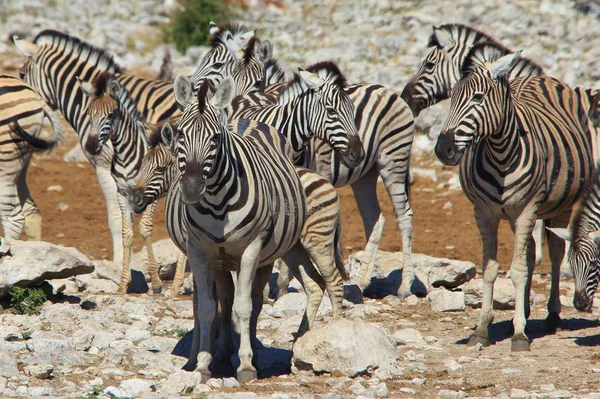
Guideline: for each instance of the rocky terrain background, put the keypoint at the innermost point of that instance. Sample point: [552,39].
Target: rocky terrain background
[89,343]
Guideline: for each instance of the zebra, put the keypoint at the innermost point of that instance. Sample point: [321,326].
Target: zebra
[112,122]
[55,60]
[25,119]
[386,127]
[525,150]
[321,234]
[440,71]
[584,235]
[245,208]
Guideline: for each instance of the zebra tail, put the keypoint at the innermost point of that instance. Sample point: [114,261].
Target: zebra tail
[339,261]
[40,144]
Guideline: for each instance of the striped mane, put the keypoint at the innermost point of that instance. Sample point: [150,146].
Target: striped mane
[100,84]
[328,70]
[234,28]
[585,216]
[483,52]
[78,48]
[275,73]
[153,131]
[457,31]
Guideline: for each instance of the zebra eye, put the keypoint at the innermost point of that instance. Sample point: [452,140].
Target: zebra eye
[430,65]
[218,65]
[477,98]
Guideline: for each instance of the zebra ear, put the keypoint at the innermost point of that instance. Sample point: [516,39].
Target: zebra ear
[114,89]
[86,87]
[312,80]
[224,94]
[443,38]
[264,51]
[214,29]
[142,132]
[25,47]
[183,90]
[503,66]
[595,235]
[561,232]
[166,134]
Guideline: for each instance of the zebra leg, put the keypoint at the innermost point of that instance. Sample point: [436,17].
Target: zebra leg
[146,228]
[242,305]
[33,216]
[13,219]
[179,273]
[283,279]
[538,236]
[225,292]
[365,193]
[109,190]
[302,268]
[127,231]
[488,229]
[556,248]
[201,353]
[261,279]
[521,271]
[395,178]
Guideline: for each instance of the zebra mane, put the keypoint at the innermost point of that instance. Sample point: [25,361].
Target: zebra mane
[203,96]
[249,51]
[456,31]
[483,52]
[153,131]
[274,72]
[234,28]
[328,70]
[584,220]
[79,48]
[100,84]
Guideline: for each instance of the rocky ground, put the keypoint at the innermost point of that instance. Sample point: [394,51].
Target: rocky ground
[88,342]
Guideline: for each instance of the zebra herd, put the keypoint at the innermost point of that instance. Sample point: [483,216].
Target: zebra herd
[249,160]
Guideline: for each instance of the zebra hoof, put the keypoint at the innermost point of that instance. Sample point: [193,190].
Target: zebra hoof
[519,344]
[476,339]
[246,376]
[189,366]
[204,376]
[552,322]
[156,290]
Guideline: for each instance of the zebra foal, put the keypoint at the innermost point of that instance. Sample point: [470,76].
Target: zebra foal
[24,121]
[525,151]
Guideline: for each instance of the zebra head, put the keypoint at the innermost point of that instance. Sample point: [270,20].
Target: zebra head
[249,73]
[104,109]
[31,72]
[584,259]
[331,117]
[227,45]
[155,179]
[436,75]
[200,133]
[478,104]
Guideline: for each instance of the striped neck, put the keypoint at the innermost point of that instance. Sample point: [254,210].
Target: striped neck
[296,117]
[129,148]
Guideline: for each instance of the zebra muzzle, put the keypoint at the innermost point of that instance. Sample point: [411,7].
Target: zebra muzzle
[582,302]
[92,145]
[446,150]
[355,153]
[138,201]
[192,189]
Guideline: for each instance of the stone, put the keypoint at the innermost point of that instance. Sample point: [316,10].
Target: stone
[452,365]
[504,293]
[429,272]
[32,262]
[447,301]
[448,394]
[334,347]
[166,253]
[55,349]
[412,300]
[290,304]
[418,381]
[409,337]
[75,155]
[8,365]
[136,386]
[116,393]
[180,382]
[516,393]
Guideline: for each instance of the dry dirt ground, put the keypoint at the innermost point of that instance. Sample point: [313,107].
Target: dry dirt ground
[565,359]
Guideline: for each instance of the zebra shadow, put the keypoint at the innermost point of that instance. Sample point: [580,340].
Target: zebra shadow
[536,328]
[269,362]
[381,287]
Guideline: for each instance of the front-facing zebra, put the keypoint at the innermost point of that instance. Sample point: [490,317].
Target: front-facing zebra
[245,207]
[525,150]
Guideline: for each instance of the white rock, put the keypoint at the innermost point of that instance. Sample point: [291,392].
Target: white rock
[334,347]
[41,371]
[504,293]
[448,394]
[447,301]
[180,383]
[452,365]
[136,386]
[418,381]
[62,206]
[290,304]
[56,188]
[117,393]
[35,261]
[547,387]
[75,155]
[516,393]
[230,383]
[409,337]
[166,254]
[412,300]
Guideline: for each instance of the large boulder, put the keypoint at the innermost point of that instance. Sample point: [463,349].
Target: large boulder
[504,293]
[31,262]
[350,347]
[166,254]
[429,272]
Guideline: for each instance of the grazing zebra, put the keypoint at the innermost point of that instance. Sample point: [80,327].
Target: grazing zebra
[112,122]
[440,70]
[386,129]
[525,150]
[584,235]
[56,59]
[245,208]
[321,234]
[24,119]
